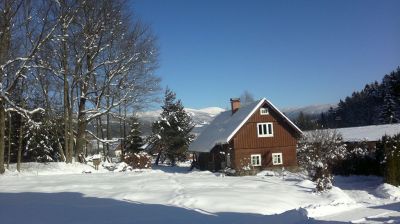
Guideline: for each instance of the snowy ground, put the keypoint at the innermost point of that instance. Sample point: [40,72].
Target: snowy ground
[75,193]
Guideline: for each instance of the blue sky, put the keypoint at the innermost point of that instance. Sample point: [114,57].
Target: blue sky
[294,53]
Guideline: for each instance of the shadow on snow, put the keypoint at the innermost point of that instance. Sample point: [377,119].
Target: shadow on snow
[170,169]
[74,208]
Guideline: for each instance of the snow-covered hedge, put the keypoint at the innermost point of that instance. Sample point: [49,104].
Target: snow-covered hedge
[389,147]
[361,159]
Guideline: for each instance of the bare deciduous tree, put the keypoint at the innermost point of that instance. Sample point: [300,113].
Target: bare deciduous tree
[22,35]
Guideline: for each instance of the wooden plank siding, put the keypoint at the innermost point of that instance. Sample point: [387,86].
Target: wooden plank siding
[247,142]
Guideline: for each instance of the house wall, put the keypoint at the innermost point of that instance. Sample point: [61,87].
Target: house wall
[247,142]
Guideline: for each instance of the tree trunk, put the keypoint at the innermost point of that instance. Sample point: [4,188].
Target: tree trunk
[108,120]
[9,141]
[80,135]
[124,136]
[158,158]
[20,138]
[98,126]
[66,102]
[66,122]
[120,132]
[108,133]
[60,149]
[5,44]
[2,143]
[102,137]
[71,134]
[82,122]
[66,119]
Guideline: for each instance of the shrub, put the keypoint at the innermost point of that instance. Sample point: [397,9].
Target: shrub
[317,152]
[140,160]
[361,159]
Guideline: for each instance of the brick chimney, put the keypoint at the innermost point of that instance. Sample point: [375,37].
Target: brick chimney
[235,104]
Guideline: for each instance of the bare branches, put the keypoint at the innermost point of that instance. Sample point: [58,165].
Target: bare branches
[100,139]
[81,60]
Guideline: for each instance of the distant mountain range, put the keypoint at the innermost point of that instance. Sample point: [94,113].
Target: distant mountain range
[313,110]
[202,117]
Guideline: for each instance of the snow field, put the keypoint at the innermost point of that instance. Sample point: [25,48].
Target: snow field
[202,195]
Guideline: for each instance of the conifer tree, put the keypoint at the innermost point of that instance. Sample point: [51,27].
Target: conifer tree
[388,112]
[43,142]
[377,103]
[172,133]
[134,141]
[304,122]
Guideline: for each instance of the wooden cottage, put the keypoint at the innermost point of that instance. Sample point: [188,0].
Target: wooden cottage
[252,137]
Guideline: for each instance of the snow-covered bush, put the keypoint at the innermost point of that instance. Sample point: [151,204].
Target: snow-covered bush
[317,152]
[43,142]
[388,191]
[361,159]
[389,147]
[245,167]
[141,160]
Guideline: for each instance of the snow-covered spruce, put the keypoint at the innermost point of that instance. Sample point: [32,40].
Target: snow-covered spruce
[171,134]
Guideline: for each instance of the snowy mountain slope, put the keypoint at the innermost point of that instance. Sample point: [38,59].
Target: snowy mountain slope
[201,117]
[293,112]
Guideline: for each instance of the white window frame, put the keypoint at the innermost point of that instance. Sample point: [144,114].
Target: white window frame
[276,155]
[259,159]
[264,111]
[267,133]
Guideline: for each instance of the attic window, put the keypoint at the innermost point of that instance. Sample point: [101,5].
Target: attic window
[265,129]
[264,111]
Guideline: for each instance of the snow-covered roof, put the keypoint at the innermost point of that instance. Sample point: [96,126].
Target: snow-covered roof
[222,129]
[368,133]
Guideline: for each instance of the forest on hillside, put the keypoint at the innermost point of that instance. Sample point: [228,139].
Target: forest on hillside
[378,103]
